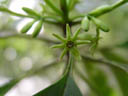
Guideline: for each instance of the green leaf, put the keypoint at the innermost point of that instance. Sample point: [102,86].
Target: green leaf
[85,24]
[112,56]
[122,76]
[64,87]
[5,88]
[98,78]
[123,45]
[71,4]
[27,27]
[64,7]
[37,28]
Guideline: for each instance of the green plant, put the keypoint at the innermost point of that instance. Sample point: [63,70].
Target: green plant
[66,86]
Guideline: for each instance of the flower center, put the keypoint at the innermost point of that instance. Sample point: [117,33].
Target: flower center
[70,44]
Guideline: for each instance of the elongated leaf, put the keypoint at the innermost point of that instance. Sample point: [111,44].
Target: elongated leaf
[5,88]
[123,45]
[122,76]
[111,56]
[64,87]
[99,79]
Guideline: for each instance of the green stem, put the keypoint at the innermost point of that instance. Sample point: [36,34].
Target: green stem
[68,69]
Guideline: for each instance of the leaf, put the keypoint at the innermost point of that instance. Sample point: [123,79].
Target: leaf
[122,76]
[98,78]
[66,86]
[123,45]
[112,56]
[64,7]
[5,88]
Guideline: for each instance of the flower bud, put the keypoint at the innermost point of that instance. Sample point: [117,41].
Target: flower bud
[101,10]
[85,24]
[30,11]
[100,24]
[27,27]
[37,29]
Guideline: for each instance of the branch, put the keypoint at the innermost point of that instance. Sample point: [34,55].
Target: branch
[27,37]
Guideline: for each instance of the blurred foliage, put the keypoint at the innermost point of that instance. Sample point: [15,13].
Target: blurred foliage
[20,54]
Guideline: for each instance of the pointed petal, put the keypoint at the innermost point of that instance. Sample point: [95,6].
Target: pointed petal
[59,37]
[75,52]
[76,34]
[68,32]
[83,42]
[58,46]
[63,53]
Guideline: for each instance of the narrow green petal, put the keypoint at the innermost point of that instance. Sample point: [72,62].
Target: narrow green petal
[93,48]
[68,32]
[95,44]
[75,52]
[63,53]
[76,34]
[59,37]
[83,42]
[58,46]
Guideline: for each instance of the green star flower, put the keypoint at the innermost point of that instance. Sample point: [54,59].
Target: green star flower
[70,43]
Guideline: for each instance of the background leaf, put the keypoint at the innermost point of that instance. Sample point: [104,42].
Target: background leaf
[122,77]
